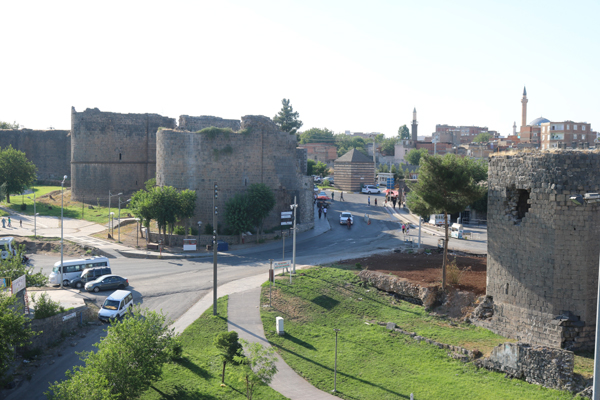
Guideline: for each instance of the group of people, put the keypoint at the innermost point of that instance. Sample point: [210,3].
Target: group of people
[9,225]
[392,199]
[405,229]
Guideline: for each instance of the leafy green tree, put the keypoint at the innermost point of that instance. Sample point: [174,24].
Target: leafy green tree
[261,201]
[388,147]
[150,183]
[13,268]
[446,185]
[16,171]
[186,206]
[141,206]
[259,365]
[483,137]
[320,168]
[403,132]
[287,119]
[45,307]
[128,360]
[317,135]
[82,384]
[414,156]
[14,330]
[236,214]
[8,125]
[345,143]
[310,164]
[229,347]
[379,138]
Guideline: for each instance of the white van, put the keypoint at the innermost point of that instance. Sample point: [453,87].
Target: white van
[116,305]
[6,248]
[73,268]
[438,219]
[457,231]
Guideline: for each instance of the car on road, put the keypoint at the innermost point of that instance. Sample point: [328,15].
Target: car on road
[316,189]
[323,196]
[107,282]
[344,218]
[88,275]
[328,178]
[116,305]
[370,189]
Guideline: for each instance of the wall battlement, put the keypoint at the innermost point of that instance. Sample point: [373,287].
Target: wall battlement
[542,269]
[193,124]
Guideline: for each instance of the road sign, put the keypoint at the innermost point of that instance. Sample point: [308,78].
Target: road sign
[286,214]
[282,264]
[286,223]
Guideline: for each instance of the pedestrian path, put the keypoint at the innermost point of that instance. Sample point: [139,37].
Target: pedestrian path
[244,317]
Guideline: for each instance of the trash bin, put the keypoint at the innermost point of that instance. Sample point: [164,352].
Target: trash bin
[279,326]
[222,246]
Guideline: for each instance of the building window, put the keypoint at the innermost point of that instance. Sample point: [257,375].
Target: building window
[575,127]
[583,127]
[575,136]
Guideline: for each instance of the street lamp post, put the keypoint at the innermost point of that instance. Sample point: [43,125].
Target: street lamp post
[215,222]
[62,185]
[335,363]
[109,214]
[137,233]
[34,215]
[111,224]
[119,227]
[294,207]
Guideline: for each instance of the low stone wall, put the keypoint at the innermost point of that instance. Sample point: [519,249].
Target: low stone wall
[427,296]
[53,328]
[541,365]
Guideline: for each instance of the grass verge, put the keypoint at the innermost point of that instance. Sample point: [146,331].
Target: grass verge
[197,375]
[374,363]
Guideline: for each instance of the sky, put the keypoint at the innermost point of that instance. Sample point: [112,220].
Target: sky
[345,65]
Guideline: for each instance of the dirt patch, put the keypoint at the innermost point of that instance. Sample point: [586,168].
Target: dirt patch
[426,269]
[48,246]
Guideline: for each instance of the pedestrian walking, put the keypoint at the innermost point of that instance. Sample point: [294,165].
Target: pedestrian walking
[394,202]
[332,196]
[315,198]
[3,223]
[341,196]
[375,201]
[9,222]
[369,200]
[320,211]
[325,212]
[407,229]
[403,229]
[20,223]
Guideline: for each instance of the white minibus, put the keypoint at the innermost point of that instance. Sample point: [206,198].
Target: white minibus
[73,268]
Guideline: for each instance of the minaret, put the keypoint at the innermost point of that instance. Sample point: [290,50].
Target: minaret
[414,126]
[515,128]
[524,112]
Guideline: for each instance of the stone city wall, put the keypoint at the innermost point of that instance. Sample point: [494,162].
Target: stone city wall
[112,152]
[49,150]
[54,328]
[194,124]
[258,153]
[542,268]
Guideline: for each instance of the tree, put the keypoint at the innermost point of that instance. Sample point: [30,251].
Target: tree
[345,143]
[403,132]
[13,268]
[388,147]
[229,347]
[320,169]
[413,157]
[259,365]
[309,167]
[14,330]
[236,214]
[286,119]
[261,201]
[8,125]
[128,360]
[316,135]
[483,137]
[16,171]
[446,185]
[141,206]
[186,206]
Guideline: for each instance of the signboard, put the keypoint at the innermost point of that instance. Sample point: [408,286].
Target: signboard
[4,284]
[69,316]
[286,214]
[390,183]
[287,223]
[282,264]
[19,284]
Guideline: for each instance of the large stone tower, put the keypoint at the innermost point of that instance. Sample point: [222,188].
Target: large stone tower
[524,108]
[542,268]
[414,126]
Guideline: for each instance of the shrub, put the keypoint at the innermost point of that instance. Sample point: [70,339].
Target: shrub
[453,273]
[45,307]
[23,206]
[194,231]
[179,230]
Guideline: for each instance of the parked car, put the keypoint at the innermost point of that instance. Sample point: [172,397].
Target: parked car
[116,305]
[316,189]
[329,178]
[88,275]
[344,218]
[316,178]
[370,189]
[107,282]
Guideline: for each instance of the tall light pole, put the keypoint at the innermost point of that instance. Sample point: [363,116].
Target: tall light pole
[34,215]
[137,233]
[335,363]
[215,222]
[294,207]
[111,224]
[119,227]
[62,185]
[109,214]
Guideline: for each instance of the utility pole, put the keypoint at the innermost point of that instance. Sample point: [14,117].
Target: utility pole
[294,207]
[215,222]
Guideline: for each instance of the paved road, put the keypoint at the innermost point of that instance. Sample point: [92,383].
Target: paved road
[173,286]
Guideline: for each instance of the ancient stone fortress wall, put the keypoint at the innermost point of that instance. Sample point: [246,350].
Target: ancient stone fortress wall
[257,153]
[112,152]
[49,150]
[193,124]
[542,269]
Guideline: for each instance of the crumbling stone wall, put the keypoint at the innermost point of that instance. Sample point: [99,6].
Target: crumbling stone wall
[49,150]
[257,153]
[112,152]
[542,268]
[194,124]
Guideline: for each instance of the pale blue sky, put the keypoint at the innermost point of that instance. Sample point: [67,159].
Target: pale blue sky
[345,65]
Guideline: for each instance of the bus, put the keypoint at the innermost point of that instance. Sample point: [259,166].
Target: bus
[73,268]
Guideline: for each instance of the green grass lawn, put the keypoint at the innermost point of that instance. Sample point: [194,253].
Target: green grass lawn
[373,362]
[48,207]
[198,374]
